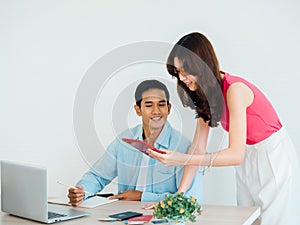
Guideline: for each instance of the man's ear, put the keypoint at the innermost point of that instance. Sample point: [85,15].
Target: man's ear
[138,110]
[169,108]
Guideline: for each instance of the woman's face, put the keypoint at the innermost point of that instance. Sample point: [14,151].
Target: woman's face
[189,80]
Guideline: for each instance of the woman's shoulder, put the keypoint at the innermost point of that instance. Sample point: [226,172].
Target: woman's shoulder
[238,84]
[230,79]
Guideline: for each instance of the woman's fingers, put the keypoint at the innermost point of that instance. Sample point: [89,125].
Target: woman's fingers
[170,158]
[149,205]
[159,156]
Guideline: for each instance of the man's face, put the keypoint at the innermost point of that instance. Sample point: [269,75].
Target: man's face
[154,109]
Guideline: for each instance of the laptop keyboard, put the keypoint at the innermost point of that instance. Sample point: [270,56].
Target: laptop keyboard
[52,215]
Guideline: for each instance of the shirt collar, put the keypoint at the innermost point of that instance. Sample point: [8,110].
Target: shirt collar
[163,138]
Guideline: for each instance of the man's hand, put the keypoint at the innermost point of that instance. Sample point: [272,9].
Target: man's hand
[76,195]
[128,195]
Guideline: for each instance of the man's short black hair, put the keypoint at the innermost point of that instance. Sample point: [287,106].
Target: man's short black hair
[147,85]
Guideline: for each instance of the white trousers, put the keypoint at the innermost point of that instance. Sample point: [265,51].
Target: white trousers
[269,177]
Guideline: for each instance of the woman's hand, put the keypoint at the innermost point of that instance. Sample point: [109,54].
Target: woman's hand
[149,205]
[170,158]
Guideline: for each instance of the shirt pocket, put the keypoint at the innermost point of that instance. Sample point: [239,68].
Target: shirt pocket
[164,179]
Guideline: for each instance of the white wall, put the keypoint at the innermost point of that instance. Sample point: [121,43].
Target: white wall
[47,47]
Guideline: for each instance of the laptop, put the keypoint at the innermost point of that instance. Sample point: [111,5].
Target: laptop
[24,194]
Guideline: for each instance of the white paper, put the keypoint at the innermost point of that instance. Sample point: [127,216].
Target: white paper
[88,203]
[96,201]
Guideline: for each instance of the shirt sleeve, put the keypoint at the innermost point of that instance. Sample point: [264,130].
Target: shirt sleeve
[153,197]
[196,187]
[102,172]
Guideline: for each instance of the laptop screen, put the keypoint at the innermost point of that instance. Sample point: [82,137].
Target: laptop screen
[24,193]
[24,190]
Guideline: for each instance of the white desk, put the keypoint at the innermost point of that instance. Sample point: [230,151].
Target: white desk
[212,215]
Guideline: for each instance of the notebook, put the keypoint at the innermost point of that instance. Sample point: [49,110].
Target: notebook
[24,194]
[143,218]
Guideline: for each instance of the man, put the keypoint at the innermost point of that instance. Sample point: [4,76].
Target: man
[141,178]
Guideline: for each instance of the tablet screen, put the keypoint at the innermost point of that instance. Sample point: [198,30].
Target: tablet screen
[141,145]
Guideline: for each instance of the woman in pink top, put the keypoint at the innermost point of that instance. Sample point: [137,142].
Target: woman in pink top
[267,168]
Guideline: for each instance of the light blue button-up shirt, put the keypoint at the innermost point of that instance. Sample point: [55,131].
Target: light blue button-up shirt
[123,161]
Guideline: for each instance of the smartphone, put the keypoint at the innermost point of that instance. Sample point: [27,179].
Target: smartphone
[141,145]
[125,215]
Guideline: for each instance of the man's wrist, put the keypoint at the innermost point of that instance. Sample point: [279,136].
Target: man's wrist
[141,194]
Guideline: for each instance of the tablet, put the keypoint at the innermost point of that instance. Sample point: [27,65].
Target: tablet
[141,145]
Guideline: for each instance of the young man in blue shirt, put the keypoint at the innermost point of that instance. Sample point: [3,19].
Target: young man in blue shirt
[141,178]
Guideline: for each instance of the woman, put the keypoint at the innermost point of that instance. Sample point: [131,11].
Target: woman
[267,168]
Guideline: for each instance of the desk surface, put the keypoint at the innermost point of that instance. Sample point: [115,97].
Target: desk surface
[212,215]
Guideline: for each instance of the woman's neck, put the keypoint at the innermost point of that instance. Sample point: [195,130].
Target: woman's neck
[222,74]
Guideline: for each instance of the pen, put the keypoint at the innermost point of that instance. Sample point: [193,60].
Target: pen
[159,221]
[70,186]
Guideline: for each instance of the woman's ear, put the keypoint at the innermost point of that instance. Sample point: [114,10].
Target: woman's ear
[138,110]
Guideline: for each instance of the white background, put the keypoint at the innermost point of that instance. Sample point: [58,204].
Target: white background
[46,47]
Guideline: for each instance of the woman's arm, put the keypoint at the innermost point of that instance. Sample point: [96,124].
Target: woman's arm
[199,143]
[197,147]
[239,97]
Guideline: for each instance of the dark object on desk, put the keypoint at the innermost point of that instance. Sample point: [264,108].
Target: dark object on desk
[105,195]
[125,215]
[159,221]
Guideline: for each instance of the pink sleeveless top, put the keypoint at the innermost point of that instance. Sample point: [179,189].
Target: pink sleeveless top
[262,120]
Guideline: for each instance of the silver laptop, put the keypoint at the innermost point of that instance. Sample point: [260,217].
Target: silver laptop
[24,194]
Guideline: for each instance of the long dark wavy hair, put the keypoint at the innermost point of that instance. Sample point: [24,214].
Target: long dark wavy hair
[198,58]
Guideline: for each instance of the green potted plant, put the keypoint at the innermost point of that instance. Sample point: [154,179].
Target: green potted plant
[177,209]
